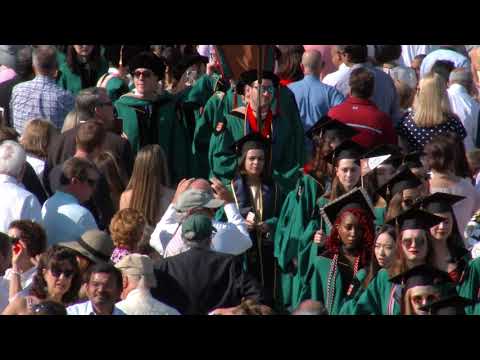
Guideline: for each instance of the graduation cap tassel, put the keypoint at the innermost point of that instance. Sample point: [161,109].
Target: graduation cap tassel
[120,62]
[260,77]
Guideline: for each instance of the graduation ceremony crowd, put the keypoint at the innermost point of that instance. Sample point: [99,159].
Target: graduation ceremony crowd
[239,179]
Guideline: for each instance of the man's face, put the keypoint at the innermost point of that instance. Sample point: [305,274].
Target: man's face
[251,95]
[146,82]
[102,289]
[104,110]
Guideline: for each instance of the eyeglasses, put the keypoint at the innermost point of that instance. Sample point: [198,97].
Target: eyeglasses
[270,89]
[418,241]
[145,73]
[57,272]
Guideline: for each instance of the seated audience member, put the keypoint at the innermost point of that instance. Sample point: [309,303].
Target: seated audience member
[49,308]
[200,280]
[63,216]
[57,279]
[104,287]
[138,279]
[17,203]
[126,228]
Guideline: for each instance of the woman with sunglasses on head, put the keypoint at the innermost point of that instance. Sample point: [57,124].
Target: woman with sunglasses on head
[413,248]
[152,116]
[57,279]
[82,68]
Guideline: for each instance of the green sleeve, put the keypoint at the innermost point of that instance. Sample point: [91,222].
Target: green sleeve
[116,87]
[223,161]
[374,299]
[469,288]
[379,216]
[201,91]
[348,307]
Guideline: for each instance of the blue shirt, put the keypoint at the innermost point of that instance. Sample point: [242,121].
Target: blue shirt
[458,60]
[39,98]
[384,93]
[65,219]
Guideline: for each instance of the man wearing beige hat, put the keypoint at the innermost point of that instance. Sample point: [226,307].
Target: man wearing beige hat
[199,196]
[138,279]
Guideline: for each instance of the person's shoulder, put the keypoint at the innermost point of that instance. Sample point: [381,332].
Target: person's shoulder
[77,309]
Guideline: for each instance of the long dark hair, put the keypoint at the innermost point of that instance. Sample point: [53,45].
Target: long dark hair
[265,177]
[116,179]
[74,64]
[374,265]
[54,256]
[289,62]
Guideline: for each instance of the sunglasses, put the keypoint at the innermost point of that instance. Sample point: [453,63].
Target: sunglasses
[58,272]
[145,73]
[409,242]
[270,89]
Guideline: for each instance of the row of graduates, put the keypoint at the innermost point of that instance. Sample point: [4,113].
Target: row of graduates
[198,125]
[326,248]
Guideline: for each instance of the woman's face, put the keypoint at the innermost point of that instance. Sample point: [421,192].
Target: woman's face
[83,50]
[414,245]
[348,173]
[409,196]
[443,230]
[146,82]
[350,231]
[58,278]
[385,250]
[384,173]
[421,296]
[254,162]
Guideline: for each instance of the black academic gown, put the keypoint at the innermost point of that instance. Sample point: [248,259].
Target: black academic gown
[200,280]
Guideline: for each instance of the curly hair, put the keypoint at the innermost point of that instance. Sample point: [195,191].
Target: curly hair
[56,255]
[33,235]
[334,243]
[126,228]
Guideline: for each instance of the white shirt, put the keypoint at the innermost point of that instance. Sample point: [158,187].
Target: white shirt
[410,51]
[26,280]
[467,109]
[37,164]
[16,203]
[333,78]
[231,237]
[141,302]
[86,308]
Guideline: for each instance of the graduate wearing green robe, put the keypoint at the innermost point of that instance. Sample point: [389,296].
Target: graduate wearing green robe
[73,82]
[469,287]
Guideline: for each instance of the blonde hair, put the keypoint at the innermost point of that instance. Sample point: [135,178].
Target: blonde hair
[149,176]
[71,120]
[36,137]
[431,103]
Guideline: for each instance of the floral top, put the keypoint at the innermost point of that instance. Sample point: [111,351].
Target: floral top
[118,254]
[418,137]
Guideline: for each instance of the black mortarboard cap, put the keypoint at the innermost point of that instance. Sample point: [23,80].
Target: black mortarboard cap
[412,160]
[386,149]
[415,218]
[148,60]
[354,199]
[250,76]
[421,275]
[329,125]
[401,180]
[346,150]
[449,305]
[439,202]
[251,141]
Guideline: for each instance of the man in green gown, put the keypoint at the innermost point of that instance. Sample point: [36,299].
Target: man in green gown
[151,117]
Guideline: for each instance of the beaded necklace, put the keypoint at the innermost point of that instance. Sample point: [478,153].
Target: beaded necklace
[332,280]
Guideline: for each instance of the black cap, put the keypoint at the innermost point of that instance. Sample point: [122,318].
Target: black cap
[449,305]
[412,160]
[251,141]
[346,150]
[439,202]
[354,199]
[331,126]
[148,60]
[415,218]
[421,275]
[401,180]
[250,76]
[386,149]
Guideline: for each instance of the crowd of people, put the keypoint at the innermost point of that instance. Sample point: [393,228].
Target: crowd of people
[318,180]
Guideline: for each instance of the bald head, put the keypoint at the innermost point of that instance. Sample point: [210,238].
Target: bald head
[312,62]
[200,184]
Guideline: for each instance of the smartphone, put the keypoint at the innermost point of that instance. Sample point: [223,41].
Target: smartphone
[17,248]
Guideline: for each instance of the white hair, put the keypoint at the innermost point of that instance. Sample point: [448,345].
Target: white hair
[12,158]
[141,282]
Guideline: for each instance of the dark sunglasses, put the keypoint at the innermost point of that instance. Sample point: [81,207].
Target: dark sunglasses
[418,242]
[14,239]
[145,73]
[57,272]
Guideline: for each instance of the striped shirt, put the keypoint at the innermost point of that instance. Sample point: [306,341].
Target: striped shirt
[39,98]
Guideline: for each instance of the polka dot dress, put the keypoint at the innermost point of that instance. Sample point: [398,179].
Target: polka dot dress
[418,137]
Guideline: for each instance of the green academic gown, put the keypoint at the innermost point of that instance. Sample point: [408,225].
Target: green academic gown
[72,82]
[469,287]
[296,226]
[168,129]
[349,304]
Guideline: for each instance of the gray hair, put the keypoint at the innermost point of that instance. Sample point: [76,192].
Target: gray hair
[12,158]
[141,282]
[44,58]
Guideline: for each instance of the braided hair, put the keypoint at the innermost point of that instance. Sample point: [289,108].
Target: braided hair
[334,243]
